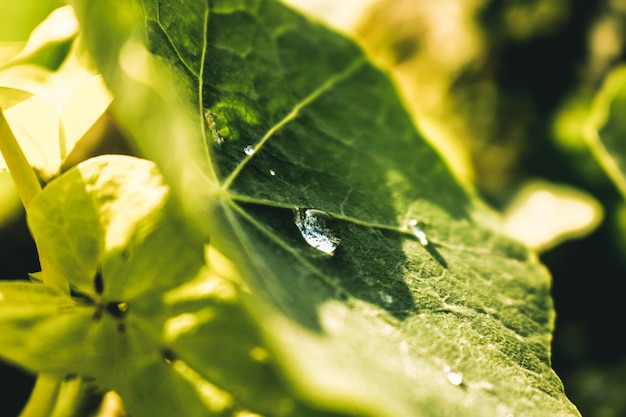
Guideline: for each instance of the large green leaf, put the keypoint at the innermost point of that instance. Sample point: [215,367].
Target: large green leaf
[147,319]
[292,152]
[606,127]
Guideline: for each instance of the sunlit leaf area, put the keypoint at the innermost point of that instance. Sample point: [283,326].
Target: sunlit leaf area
[266,208]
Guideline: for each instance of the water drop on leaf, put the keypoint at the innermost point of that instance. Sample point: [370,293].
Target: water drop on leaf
[386,298]
[455,378]
[418,232]
[315,229]
[249,150]
[217,137]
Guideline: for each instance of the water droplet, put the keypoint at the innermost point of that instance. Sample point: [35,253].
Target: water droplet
[455,378]
[314,227]
[208,116]
[387,299]
[272,172]
[416,228]
[249,150]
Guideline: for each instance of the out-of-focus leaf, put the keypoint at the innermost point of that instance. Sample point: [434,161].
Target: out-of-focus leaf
[606,129]
[50,110]
[148,319]
[543,214]
[19,18]
[49,42]
[303,168]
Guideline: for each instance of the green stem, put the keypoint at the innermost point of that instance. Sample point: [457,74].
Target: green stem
[27,186]
[43,397]
[23,175]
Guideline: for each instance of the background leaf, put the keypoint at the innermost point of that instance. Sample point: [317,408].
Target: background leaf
[51,94]
[606,127]
[295,117]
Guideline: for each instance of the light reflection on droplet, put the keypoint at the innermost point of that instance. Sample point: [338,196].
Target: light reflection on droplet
[208,116]
[249,150]
[386,298]
[272,172]
[455,378]
[314,227]
[416,228]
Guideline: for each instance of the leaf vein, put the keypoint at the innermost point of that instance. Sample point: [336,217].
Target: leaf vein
[173,45]
[327,85]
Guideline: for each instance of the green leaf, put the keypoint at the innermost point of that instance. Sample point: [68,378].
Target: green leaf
[50,109]
[275,114]
[606,127]
[148,319]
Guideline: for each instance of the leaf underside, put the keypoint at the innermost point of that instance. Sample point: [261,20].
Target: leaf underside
[275,114]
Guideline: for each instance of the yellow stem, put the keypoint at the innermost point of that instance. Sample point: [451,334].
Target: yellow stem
[23,175]
[27,186]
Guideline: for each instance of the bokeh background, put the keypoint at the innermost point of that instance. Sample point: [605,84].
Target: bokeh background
[503,89]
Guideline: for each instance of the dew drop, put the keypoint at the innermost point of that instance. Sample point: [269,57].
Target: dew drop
[455,378]
[208,116]
[314,227]
[386,298]
[416,228]
[272,172]
[249,150]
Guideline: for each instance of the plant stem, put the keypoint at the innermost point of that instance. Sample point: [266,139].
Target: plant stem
[23,175]
[27,186]
[43,397]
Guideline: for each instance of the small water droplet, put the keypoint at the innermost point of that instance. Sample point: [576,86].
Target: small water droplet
[387,299]
[249,150]
[208,116]
[272,172]
[314,227]
[455,378]
[416,228]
